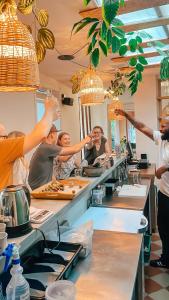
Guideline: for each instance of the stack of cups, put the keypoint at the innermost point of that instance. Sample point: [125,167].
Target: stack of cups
[3,237]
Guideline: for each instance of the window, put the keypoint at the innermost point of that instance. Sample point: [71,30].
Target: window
[115,133]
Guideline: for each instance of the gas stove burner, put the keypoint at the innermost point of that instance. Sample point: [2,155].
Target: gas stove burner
[66,57]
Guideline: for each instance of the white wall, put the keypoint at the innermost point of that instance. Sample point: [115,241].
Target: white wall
[70,114]
[99,116]
[17,111]
[145,102]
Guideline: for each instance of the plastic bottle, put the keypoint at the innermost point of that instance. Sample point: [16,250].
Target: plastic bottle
[18,287]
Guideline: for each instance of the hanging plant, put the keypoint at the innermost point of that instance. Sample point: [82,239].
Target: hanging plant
[118,86]
[106,34]
[45,37]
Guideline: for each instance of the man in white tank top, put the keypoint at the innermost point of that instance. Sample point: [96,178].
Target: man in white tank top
[161,138]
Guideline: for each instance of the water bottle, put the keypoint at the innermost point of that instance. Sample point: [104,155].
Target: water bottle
[18,287]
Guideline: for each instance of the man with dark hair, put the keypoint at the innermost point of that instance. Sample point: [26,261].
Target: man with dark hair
[161,138]
[41,165]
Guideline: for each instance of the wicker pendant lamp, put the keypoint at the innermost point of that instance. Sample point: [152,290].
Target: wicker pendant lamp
[18,63]
[115,104]
[91,89]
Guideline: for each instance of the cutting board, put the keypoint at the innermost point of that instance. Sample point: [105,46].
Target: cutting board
[72,187]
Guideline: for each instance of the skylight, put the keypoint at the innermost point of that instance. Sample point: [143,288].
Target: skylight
[139,16]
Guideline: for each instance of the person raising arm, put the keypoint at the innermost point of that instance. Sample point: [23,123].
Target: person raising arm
[11,149]
[137,124]
[161,138]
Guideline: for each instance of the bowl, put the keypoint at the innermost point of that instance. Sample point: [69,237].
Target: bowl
[91,171]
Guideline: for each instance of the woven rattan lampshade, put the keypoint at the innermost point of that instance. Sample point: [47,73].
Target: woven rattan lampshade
[91,89]
[18,63]
[115,104]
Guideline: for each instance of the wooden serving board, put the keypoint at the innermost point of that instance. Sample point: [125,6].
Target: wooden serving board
[72,187]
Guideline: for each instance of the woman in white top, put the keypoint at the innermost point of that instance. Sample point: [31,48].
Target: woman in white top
[20,167]
[64,165]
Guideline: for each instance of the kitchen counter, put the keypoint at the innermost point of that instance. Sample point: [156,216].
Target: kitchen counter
[133,203]
[63,210]
[110,272]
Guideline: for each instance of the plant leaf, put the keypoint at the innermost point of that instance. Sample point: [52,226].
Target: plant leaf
[133,61]
[109,38]
[103,31]
[95,57]
[139,67]
[109,10]
[139,39]
[121,2]
[92,28]
[43,17]
[117,22]
[118,32]
[133,45]
[94,40]
[123,49]
[89,49]
[130,33]
[140,49]
[103,48]
[123,41]
[139,76]
[142,60]
[86,2]
[86,20]
[115,44]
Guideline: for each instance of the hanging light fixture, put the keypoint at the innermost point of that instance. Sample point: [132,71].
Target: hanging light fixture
[115,104]
[91,89]
[18,62]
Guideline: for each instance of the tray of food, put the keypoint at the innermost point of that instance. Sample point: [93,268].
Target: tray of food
[65,189]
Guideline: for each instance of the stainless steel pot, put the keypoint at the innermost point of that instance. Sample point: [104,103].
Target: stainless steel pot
[14,211]
[91,171]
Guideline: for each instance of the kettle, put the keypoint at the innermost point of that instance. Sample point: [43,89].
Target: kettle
[14,210]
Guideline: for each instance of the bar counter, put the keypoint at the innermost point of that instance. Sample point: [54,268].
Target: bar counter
[114,270]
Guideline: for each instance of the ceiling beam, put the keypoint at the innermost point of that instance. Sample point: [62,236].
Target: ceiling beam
[146,24]
[129,69]
[165,41]
[130,6]
[126,58]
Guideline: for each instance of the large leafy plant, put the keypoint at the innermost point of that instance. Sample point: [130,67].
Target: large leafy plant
[44,37]
[107,35]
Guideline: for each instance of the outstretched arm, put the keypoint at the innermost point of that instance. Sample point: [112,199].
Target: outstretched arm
[42,128]
[76,148]
[137,124]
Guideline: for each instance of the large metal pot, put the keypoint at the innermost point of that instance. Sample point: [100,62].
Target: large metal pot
[91,171]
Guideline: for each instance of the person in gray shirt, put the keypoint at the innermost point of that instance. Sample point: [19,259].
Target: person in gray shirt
[41,165]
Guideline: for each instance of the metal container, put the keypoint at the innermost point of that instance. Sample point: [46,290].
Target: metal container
[91,171]
[14,211]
